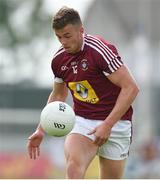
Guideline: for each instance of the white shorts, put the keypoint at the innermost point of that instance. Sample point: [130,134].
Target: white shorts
[117,145]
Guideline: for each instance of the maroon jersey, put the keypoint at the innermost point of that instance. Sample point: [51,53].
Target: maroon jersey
[85,72]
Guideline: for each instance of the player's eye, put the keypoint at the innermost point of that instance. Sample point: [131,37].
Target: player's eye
[68,36]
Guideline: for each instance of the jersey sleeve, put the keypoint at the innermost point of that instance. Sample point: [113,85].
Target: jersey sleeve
[55,70]
[110,60]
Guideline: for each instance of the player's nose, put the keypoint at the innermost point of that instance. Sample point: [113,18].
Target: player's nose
[63,42]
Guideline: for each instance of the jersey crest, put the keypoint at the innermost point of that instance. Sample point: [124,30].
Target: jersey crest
[83,91]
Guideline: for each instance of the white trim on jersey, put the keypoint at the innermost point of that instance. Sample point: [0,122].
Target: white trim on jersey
[101,50]
[58,80]
[111,58]
[97,49]
[61,50]
[102,43]
[108,52]
[105,73]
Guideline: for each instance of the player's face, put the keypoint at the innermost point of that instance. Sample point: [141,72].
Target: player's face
[71,37]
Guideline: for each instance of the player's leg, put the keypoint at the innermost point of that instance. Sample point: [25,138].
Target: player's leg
[112,157]
[79,152]
[111,169]
[114,152]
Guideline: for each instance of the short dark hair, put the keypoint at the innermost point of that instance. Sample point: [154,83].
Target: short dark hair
[64,17]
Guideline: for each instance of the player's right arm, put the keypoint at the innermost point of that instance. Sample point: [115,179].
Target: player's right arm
[59,93]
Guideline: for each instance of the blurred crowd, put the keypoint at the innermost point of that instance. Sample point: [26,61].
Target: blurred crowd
[145,164]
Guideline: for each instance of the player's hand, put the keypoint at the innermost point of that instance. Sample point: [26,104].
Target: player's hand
[34,142]
[101,133]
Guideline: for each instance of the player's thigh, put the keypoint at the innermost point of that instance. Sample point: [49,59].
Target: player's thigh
[79,149]
[111,169]
[112,157]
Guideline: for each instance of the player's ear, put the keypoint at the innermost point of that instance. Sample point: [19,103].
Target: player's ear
[81,30]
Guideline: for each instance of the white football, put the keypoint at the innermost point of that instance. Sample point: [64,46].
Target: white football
[57,118]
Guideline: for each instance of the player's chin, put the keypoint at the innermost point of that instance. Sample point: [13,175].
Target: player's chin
[67,49]
[70,50]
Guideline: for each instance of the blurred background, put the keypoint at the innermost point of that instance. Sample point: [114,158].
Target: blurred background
[27,45]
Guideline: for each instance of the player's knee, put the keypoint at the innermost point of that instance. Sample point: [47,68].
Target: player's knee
[74,170]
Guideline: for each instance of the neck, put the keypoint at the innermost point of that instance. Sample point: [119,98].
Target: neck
[80,46]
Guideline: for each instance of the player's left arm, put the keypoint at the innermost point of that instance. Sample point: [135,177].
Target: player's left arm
[128,93]
[129,90]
